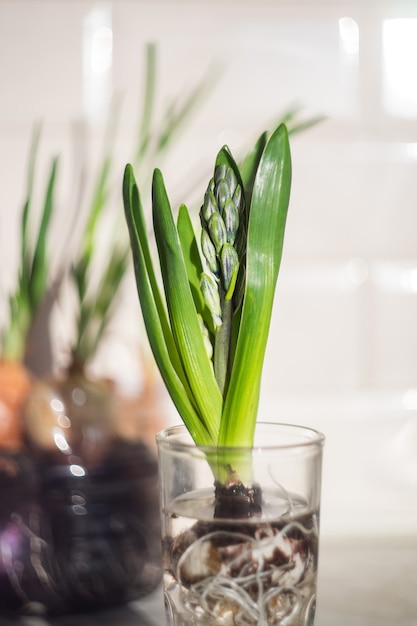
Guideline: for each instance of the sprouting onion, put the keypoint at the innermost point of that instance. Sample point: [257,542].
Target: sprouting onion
[24,301]
[202,301]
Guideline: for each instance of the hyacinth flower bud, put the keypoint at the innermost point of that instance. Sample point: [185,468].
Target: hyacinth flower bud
[231,181]
[209,252]
[220,173]
[222,193]
[231,220]
[210,293]
[238,198]
[217,231]
[229,264]
[209,206]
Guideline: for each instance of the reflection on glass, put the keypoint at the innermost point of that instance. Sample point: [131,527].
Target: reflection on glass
[77,470]
[57,405]
[60,441]
[399,43]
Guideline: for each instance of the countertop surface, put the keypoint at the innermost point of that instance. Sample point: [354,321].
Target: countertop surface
[358,586]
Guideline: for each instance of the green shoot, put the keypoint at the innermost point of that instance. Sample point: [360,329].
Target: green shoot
[208,323]
[34,263]
[96,304]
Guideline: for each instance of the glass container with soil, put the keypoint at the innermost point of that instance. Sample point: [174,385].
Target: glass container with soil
[243,551]
[98,494]
[239,510]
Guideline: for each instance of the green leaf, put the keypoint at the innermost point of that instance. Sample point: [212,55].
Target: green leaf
[177,114]
[300,127]
[182,312]
[24,256]
[138,230]
[267,218]
[191,256]
[40,269]
[249,166]
[96,311]
[154,315]
[34,268]
[153,140]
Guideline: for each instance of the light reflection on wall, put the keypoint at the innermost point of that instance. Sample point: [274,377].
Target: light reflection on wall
[409,399]
[97,62]
[348,75]
[396,277]
[349,36]
[399,43]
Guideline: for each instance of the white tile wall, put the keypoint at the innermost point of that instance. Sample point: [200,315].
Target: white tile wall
[343,343]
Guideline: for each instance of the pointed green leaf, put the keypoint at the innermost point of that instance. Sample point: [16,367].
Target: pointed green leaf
[40,269]
[151,313]
[191,255]
[249,167]
[138,230]
[182,312]
[25,261]
[266,226]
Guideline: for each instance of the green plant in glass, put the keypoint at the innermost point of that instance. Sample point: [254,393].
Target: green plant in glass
[208,327]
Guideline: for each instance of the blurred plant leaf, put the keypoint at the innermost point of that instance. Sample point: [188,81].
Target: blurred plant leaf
[96,304]
[34,269]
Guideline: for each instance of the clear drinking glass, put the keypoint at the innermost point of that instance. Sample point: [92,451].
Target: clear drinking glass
[246,556]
